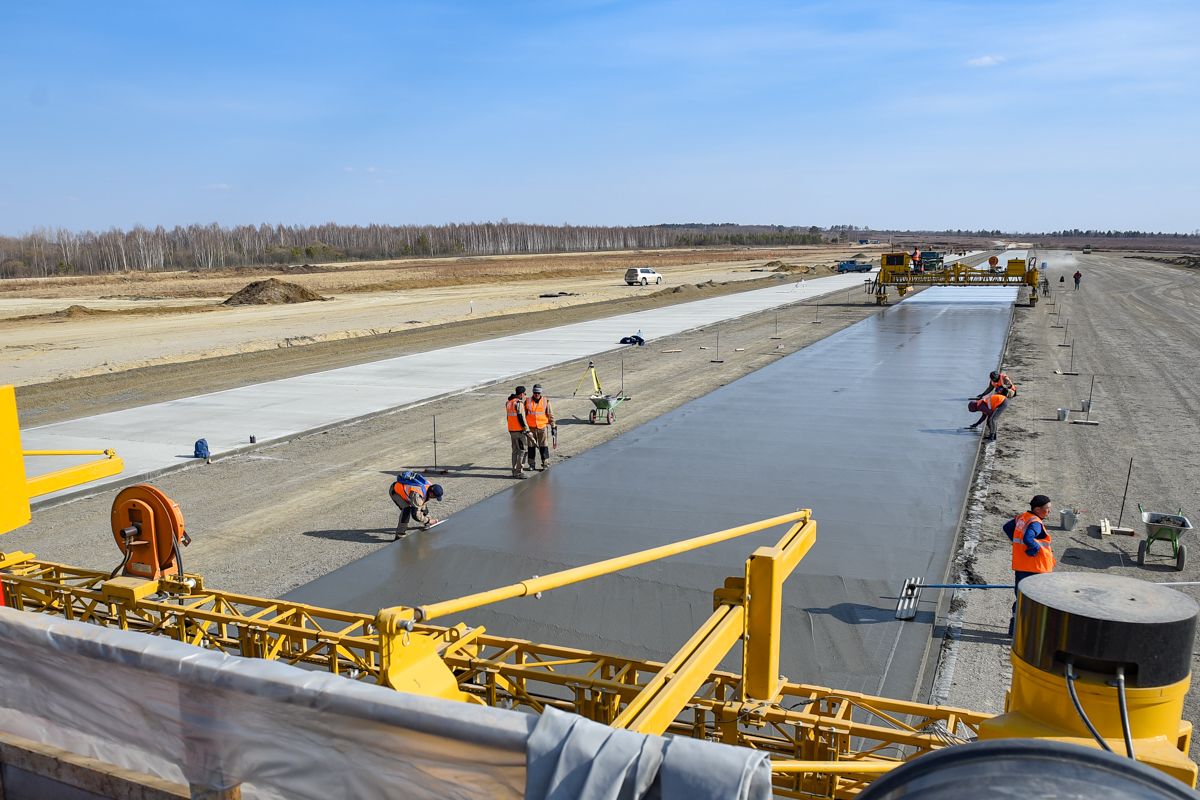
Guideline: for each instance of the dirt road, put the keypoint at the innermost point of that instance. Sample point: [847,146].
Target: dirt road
[1135,326]
[267,521]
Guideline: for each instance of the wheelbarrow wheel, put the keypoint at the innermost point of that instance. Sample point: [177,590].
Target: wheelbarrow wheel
[610,417]
[1141,554]
[1181,559]
[592,416]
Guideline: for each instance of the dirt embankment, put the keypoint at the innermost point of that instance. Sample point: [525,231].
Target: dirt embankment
[272,292]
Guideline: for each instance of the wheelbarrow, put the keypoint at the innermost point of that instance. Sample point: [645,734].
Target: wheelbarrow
[605,407]
[1164,528]
[605,404]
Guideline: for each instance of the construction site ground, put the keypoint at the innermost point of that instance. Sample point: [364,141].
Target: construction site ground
[1135,326]
[58,329]
[267,521]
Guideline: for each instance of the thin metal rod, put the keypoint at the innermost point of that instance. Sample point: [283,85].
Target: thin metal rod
[1088,414]
[435,441]
[556,580]
[1124,494]
[1072,367]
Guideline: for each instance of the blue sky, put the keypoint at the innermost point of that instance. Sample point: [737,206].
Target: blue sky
[1013,115]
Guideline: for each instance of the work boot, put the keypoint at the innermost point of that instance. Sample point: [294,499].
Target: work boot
[518,475]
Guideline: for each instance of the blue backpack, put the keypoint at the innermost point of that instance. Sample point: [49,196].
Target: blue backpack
[201,450]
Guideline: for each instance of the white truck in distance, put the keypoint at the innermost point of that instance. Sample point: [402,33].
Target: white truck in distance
[641,275]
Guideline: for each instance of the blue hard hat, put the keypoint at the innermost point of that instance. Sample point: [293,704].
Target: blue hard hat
[435,491]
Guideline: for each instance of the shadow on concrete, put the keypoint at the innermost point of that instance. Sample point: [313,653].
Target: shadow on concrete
[363,535]
[862,614]
[951,431]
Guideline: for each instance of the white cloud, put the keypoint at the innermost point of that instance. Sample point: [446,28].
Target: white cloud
[986,61]
[218,187]
[347,169]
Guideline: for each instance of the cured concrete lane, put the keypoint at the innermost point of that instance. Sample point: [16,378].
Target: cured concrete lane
[155,438]
[864,427]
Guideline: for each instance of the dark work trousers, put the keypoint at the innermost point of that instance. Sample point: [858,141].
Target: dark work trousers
[990,434]
[1017,578]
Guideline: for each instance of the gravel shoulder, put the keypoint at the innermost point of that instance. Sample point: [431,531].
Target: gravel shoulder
[1135,326]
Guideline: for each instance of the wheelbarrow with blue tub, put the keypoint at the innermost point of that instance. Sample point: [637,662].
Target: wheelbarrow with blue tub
[1164,528]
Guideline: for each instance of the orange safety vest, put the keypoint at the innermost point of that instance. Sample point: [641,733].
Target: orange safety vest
[408,492]
[1004,385]
[994,400]
[514,415]
[537,409]
[1021,562]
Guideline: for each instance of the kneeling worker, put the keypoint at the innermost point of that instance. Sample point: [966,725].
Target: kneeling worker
[411,492]
[540,418]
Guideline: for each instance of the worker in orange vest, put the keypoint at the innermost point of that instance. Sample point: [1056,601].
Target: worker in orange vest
[1000,383]
[1031,553]
[540,418]
[989,408]
[411,492]
[518,430]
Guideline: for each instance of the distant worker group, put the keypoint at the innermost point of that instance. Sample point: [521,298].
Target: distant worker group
[531,429]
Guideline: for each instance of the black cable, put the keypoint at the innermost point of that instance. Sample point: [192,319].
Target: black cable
[1071,677]
[1124,712]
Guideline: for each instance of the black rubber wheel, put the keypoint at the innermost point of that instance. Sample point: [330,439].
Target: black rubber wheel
[644,281]
[611,416]
[1141,554]
[592,416]
[1181,559]
[658,280]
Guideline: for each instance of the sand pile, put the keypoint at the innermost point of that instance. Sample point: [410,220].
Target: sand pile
[272,292]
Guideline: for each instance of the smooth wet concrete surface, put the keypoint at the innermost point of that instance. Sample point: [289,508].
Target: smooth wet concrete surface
[865,427]
[156,438]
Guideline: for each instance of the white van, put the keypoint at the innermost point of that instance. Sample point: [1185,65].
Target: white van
[641,275]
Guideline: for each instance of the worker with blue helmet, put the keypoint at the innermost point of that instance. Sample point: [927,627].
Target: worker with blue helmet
[411,492]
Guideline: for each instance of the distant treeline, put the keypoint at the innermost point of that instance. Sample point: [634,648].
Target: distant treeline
[205,247]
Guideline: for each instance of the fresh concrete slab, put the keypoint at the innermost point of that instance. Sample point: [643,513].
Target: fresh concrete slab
[152,439]
[865,427]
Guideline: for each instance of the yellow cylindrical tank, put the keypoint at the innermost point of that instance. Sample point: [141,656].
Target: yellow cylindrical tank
[1090,633]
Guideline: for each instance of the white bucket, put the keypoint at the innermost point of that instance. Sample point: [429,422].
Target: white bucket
[1067,519]
[1063,413]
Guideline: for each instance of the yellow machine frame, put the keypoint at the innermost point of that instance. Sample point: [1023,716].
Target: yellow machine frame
[895,269]
[824,743]
[18,489]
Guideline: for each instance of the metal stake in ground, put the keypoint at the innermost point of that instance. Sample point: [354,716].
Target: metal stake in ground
[1071,369]
[817,306]
[1064,341]
[1124,494]
[435,467]
[1056,318]
[776,336]
[1087,420]
[718,359]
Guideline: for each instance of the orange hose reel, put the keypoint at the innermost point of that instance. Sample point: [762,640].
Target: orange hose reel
[148,527]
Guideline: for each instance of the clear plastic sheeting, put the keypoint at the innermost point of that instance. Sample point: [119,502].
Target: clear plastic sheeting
[571,757]
[194,716]
[214,721]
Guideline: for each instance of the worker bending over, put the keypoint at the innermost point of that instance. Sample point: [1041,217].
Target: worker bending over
[989,408]
[999,383]
[1031,553]
[411,492]
[540,418]
[518,430]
